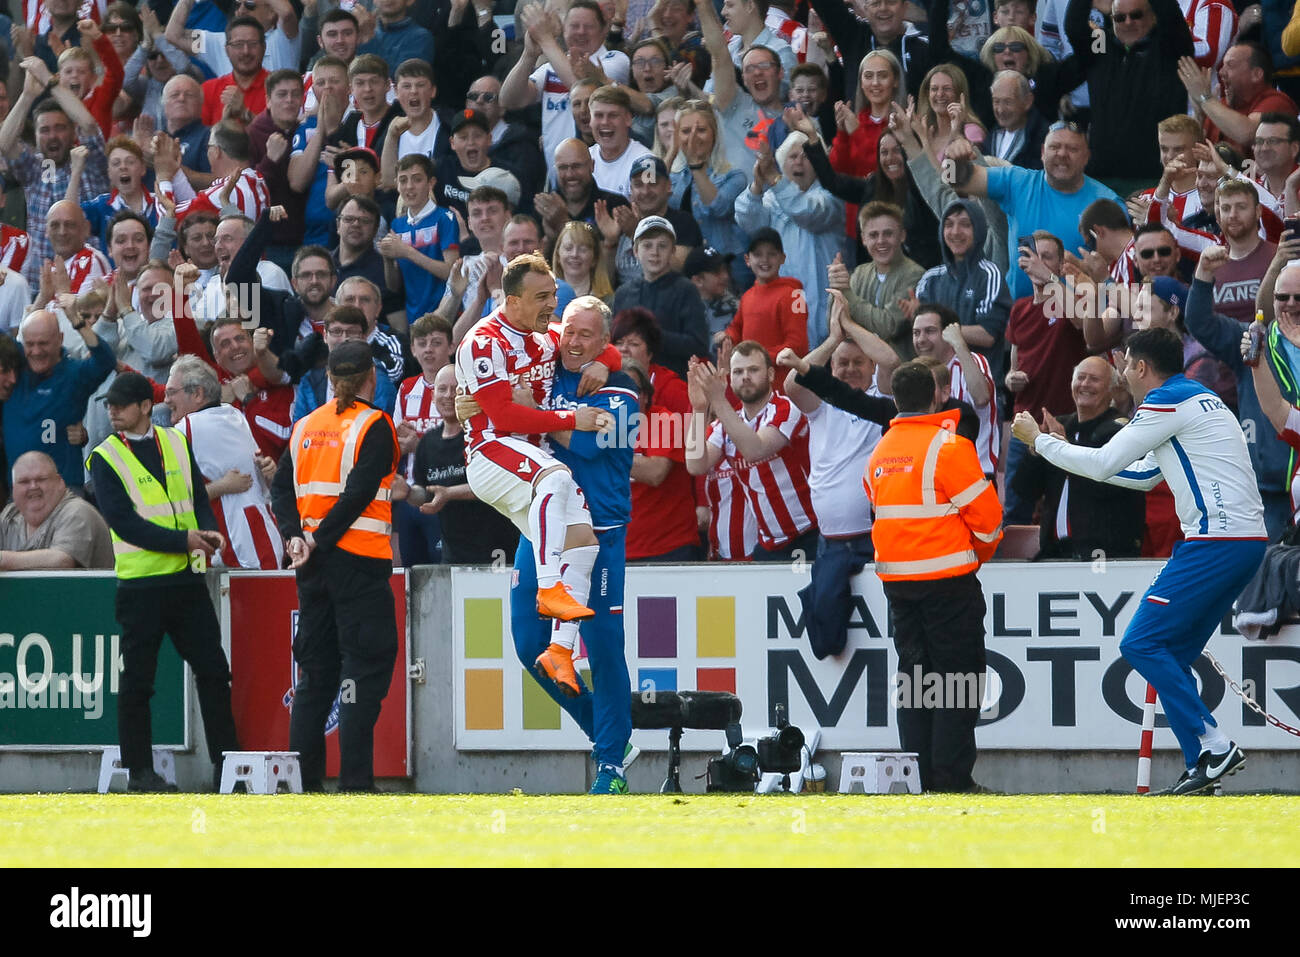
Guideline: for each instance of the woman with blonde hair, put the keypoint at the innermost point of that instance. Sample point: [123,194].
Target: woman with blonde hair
[943,104]
[1007,48]
[666,126]
[880,82]
[705,183]
[578,261]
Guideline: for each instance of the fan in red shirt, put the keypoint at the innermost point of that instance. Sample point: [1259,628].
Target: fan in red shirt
[238,356]
[663,526]
[77,73]
[246,81]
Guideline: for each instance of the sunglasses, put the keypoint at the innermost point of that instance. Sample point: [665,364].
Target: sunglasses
[1158,251]
[1135,16]
[481,97]
[1286,296]
[1015,46]
[247,4]
[118,28]
[1065,125]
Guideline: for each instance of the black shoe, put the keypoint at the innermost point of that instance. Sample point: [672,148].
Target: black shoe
[148,782]
[1210,769]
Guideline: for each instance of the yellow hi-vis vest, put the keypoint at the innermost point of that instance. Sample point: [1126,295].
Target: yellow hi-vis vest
[170,507]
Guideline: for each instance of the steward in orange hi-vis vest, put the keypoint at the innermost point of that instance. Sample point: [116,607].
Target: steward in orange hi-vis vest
[332,502]
[937,516]
[325,446]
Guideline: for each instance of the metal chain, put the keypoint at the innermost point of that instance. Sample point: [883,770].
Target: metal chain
[1249,701]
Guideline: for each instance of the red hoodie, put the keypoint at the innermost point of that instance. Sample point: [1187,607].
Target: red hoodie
[773,314]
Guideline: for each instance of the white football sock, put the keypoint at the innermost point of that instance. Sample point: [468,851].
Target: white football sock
[575,572]
[546,525]
[1214,741]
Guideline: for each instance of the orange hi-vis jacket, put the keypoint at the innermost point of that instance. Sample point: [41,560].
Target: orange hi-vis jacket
[325,445]
[936,515]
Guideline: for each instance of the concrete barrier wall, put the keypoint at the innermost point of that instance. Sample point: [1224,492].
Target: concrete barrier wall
[438,767]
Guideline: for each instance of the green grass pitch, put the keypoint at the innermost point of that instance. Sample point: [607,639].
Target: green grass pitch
[501,830]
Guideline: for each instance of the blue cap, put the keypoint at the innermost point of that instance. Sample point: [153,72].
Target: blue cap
[1169,290]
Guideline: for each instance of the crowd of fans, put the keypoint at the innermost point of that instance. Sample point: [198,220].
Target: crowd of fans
[781,203]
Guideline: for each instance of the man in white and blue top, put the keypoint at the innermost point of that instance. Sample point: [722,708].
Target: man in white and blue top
[1182,433]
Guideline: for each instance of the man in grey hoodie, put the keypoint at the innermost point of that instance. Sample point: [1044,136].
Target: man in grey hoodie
[970,285]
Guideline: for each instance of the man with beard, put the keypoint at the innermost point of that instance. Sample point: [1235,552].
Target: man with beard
[44,172]
[1247,95]
[765,440]
[47,526]
[241,92]
[578,193]
[1051,199]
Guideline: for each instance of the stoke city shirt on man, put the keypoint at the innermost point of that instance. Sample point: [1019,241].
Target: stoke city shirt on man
[495,351]
[434,233]
[777,487]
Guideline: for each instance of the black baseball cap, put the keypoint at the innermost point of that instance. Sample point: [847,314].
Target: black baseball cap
[765,235]
[703,259]
[350,357]
[464,117]
[647,163]
[128,389]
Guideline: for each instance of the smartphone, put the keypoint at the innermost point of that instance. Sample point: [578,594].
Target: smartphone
[1027,242]
[1292,225]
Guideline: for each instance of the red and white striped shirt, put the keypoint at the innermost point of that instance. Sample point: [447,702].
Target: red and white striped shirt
[38,18]
[495,351]
[85,266]
[1213,24]
[415,405]
[250,196]
[14,244]
[1178,202]
[733,532]
[988,442]
[221,441]
[1124,268]
[777,487]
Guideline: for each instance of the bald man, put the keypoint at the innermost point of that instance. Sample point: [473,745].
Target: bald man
[1081,517]
[47,526]
[68,229]
[182,100]
[52,391]
[578,192]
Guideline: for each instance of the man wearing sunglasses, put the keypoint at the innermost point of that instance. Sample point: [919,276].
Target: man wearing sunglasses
[1132,80]
[514,145]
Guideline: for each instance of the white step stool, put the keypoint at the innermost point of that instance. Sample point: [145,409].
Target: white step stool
[261,771]
[880,772]
[110,766]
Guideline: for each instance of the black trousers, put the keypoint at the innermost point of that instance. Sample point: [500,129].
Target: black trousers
[346,647]
[939,631]
[183,612]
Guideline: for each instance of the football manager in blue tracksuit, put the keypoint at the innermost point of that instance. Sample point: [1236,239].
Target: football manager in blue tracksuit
[1180,432]
[602,465]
